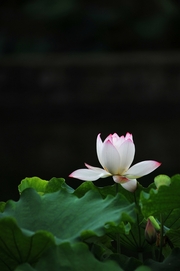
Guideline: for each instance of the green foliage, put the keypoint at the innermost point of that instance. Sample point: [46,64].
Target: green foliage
[54,227]
[67,216]
[18,245]
[2,205]
[162,180]
[60,216]
[72,258]
[43,186]
[165,201]
[161,200]
[172,262]
[127,263]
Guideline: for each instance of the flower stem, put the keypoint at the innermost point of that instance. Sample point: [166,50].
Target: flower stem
[118,235]
[139,245]
[138,222]
[140,256]
[153,253]
[161,238]
[118,243]
[117,188]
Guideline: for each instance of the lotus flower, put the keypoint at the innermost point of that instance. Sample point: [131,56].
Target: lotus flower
[115,155]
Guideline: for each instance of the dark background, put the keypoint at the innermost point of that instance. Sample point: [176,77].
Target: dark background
[70,69]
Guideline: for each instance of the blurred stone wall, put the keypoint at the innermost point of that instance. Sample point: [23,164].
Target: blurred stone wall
[52,108]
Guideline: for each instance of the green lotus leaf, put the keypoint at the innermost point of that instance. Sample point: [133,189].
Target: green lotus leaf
[172,262]
[174,237]
[25,267]
[66,216]
[18,246]
[134,239]
[34,182]
[104,191]
[125,262]
[43,186]
[70,257]
[2,206]
[162,180]
[162,200]
[140,268]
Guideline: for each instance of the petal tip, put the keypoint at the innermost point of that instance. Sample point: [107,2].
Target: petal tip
[129,136]
[157,164]
[71,175]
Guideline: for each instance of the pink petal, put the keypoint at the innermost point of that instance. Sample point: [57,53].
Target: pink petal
[122,139]
[141,169]
[89,174]
[111,159]
[109,138]
[126,152]
[115,139]
[129,136]
[127,184]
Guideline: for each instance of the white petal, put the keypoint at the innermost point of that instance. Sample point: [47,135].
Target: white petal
[127,184]
[89,174]
[111,159]
[126,152]
[100,170]
[131,185]
[117,141]
[120,179]
[99,147]
[141,169]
